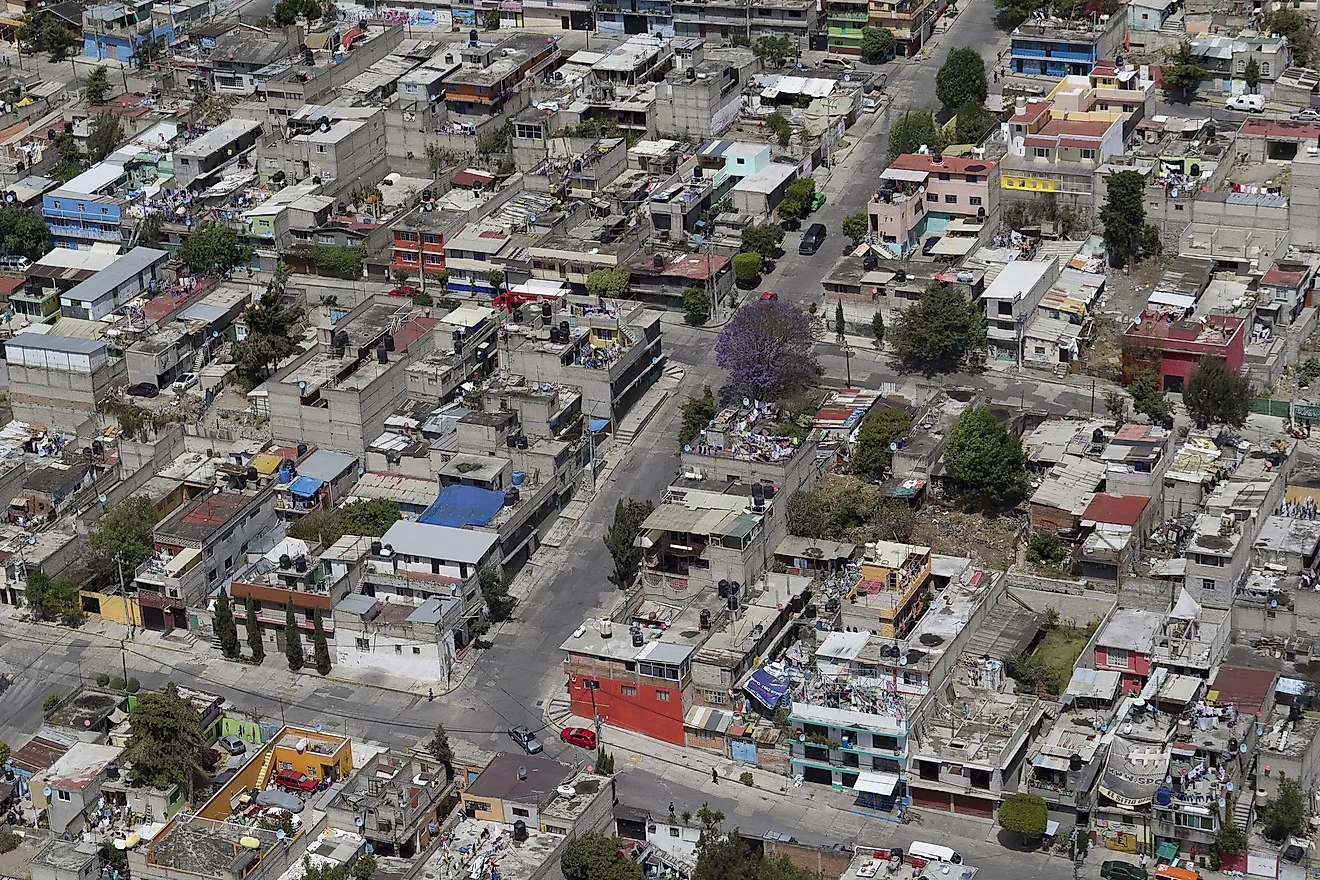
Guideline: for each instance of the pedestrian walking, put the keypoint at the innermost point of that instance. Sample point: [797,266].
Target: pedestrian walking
[996,76]
[714,776]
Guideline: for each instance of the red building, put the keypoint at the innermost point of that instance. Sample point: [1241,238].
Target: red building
[419,241]
[631,680]
[1180,345]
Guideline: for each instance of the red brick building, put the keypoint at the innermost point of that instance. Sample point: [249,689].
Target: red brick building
[1180,345]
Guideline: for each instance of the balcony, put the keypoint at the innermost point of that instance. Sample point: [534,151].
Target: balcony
[857,18]
[85,232]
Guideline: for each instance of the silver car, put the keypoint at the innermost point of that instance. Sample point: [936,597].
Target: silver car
[525,738]
[1310,114]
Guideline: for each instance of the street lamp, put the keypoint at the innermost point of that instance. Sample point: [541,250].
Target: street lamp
[847,362]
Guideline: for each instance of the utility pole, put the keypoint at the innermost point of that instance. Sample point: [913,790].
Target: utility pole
[1092,397]
[847,362]
[592,687]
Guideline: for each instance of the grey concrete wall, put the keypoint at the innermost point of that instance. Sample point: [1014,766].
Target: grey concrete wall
[59,399]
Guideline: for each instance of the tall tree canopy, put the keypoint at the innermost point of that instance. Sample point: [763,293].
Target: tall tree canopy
[1124,216]
[936,332]
[985,457]
[167,741]
[1214,394]
[961,79]
[767,350]
[23,232]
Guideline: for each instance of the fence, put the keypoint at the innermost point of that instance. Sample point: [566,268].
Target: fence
[1266,407]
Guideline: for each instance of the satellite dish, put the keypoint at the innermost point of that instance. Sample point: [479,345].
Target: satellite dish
[687,447]
[101,498]
[318,728]
[893,447]
[746,402]
[358,820]
[46,791]
[1243,749]
[279,834]
[1229,786]
[902,661]
[1222,803]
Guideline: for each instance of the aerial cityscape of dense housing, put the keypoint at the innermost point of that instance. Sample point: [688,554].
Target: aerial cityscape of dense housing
[621,439]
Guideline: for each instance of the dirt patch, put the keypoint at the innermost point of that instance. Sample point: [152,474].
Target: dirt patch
[1125,296]
[990,541]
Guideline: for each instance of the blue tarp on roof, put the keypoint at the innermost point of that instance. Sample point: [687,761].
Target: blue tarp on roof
[765,688]
[305,487]
[598,425]
[460,506]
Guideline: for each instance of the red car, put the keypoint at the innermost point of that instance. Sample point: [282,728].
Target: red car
[769,296]
[579,736]
[295,781]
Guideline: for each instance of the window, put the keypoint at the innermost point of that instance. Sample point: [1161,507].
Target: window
[943,175]
[417,650]
[1005,308]
[950,200]
[974,201]
[658,670]
[1088,154]
[320,148]
[480,806]
[522,813]
[64,795]
[398,649]
[1040,152]
[1116,656]
[1264,68]
[673,832]
[932,197]
[662,696]
[716,698]
[1207,583]
[1179,207]
[628,691]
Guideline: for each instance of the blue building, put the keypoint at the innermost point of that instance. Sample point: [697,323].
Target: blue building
[116,30]
[1049,48]
[87,209]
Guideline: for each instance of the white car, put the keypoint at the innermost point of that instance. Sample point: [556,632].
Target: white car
[185,382]
[1310,114]
[1246,103]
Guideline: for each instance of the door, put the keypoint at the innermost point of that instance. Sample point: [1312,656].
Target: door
[563,22]
[969,805]
[742,750]
[930,800]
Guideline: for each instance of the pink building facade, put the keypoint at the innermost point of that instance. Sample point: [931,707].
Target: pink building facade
[921,194]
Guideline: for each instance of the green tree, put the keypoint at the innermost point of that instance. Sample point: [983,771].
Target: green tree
[318,527]
[697,414]
[495,141]
[4,753]
[773,51]
[985,457]
[43,32]
[49,598]
[97,87]
[604,762]
[151,231]
[490,19]
[1123,215]
[293,646]
[973,121]
[871,455]
[780,127]
[105,136]
[696,306]
[856,227]
[621,538]
[1230,840]
[121,538]
[320,649]
[1024,814]
[441,750]
[796,203]
[225,628]
[495,278]
[840,322]
[213,249]
[1298,30]
[287,12]
[68,158]
[339,261]
[495,590]
[934,333]
[910,132]
[370,517]
[167,742]
[23,233]
[1213,394]
[1182,71]
[763,238]
[151,50]
[961,79]
[878,327]
[1045,548]
[270,322]
[255,644]
[1149,242]
[1147,398]
[609,283]
[877,44]
[1285,813]
[729,857]
[747,269]
[594,856]
[1252,77]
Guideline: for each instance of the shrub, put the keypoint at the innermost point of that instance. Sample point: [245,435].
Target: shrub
[1045,548]
[117,684]
[50,703]
[9,841]
[102,680]
[746,778]
[133,686]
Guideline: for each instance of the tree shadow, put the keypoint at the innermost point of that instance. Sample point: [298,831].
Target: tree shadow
[1015,842]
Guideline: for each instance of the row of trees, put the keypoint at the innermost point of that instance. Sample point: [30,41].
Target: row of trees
[226,630]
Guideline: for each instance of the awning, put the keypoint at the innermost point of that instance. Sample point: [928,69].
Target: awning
[1050,762]
[305,487]
[765,688]
[1166,851]
[876,783]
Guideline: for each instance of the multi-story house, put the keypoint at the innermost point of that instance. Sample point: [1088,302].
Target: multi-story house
[912,21]
[1225,59]
[1058,152]
[290,571]
[132,275]
[116,30]
[59,381]
[335,146]
[846,19]
[419,242]
[1176,346]
[1059,48]
[223,144]
[1011,301]
[921,192]
[894,587]
[694,538]
[494,75]
[470,255]
[88,209]
[395,801]
[724,20]
[1126,643]
[635,17]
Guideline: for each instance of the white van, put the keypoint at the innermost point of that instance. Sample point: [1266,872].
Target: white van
[932,853]
[1246,103]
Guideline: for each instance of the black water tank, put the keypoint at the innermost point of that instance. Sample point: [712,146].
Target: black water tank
[382,355]
[252,474]
[519,827]
[300,564]
[511,441]
[389,342]
[704,618]
[375,548]
[511,496]
[723,588]
[637,638]
[1075,763]
[98,448]
[302,449]
[522,441]
[285,561]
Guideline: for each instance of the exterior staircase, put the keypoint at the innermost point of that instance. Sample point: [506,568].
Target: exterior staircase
[1175,26]
[1242,809]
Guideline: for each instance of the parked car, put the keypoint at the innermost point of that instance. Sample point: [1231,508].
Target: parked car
[525,738]
[817,201]
[143,389]
[1246,103]
[295,781]
[579,736]
[769,296]
[15,263]
[1310,114]
[184,382]
[929,245]
[232,744]
[1115,869]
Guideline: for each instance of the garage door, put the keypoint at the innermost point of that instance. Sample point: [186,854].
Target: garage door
[973,806]
[931,800]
